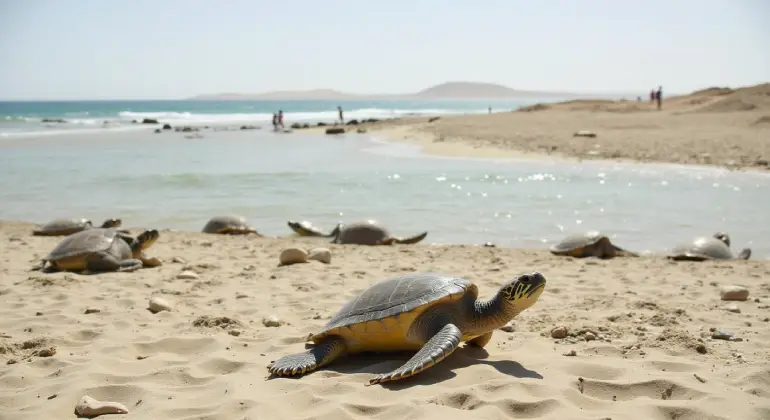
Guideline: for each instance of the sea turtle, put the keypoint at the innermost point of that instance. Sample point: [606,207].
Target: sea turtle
[305,228]
[100,250]
[229,225]
[589,244]
[63,227]
[703,248]
[430,313]
[369,232]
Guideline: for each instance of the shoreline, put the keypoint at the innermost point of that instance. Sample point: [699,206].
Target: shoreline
[714,127]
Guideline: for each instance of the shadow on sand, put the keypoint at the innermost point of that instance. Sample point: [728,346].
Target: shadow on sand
[376,363]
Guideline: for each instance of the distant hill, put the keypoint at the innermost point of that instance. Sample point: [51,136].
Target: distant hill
[448,90]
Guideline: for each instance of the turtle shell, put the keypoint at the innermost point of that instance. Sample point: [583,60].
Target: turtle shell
[577,240]
[85,242]
[392,297]
[220,223]
[367,232]
[703,248]
[63,225]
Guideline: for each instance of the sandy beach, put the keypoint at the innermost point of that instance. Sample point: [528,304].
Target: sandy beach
[639,340]
[722,127]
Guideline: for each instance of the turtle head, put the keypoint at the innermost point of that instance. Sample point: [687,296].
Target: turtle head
[295,226]
[145,240]
[724,237]
[112,223]
[522,291]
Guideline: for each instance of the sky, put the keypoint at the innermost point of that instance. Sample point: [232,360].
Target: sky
[121,49]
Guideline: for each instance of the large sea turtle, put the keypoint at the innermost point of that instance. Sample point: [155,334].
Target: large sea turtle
[370,232]
[229,225]
[703,248]
[589,244]
[305,228]
[99,250]
[430,313]
[63,227]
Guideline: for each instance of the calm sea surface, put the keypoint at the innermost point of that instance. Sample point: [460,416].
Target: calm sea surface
[169,181]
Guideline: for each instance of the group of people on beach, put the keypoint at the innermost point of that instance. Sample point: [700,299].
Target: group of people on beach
[657,96]
[278,119]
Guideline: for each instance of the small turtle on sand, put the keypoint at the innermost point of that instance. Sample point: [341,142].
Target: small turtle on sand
[229,225]
[305,228]
[63,227]
[369,232]
[703,248]
[100,250]
[430,313]
[589,244]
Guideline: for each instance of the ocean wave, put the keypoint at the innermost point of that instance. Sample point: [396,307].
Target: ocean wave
[13,125]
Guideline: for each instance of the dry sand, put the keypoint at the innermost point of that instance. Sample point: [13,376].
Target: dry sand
[718,126]
[68,335]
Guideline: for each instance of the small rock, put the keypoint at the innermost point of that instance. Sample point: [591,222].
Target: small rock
[584,133]
[320,254]
[158,304]
[733,308]
[508,328]
[187,275]
[272,321]
[291,256]
[91,407]
[559,332]
[570,353]
[179,260]
[734,293]
[722,335]
[589,336]
[92,311]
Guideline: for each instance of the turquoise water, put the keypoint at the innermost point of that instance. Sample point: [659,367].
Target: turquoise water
[168,181]
[18,118]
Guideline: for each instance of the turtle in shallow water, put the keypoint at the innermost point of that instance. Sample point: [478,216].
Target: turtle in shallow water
[430,313]
[229,225]
[703,248]
[305,228]
[63,227]
[100,250]
[369,232]
[589,244]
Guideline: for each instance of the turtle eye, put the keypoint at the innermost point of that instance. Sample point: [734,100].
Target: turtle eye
[526,279]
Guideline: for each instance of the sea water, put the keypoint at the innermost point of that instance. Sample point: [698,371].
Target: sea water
[169,181]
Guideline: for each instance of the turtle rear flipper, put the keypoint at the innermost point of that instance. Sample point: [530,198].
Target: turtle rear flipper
[307,361]
[745,254]
[620,252]
[410,239]
[41,266]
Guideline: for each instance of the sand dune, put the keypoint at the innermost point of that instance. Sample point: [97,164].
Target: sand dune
[652,356]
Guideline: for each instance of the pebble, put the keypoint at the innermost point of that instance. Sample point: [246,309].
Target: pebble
[733,308]
[158,304]
[508,328]
[570,353]
[320,254]
[734,293]
[718,334]
[187,275]
[291,256]
[272,321]
[559,332]
[92,311]
[91,407]
[589,336]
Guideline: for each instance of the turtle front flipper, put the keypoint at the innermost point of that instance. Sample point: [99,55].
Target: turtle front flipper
[745,254]
[301,363]
[410,239]
[435,350]
[105,262]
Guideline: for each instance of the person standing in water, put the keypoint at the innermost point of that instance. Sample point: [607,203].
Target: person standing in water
[342,118]
[280,119]
[275,121]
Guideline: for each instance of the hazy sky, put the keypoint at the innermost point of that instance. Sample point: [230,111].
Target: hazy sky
[70,49]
